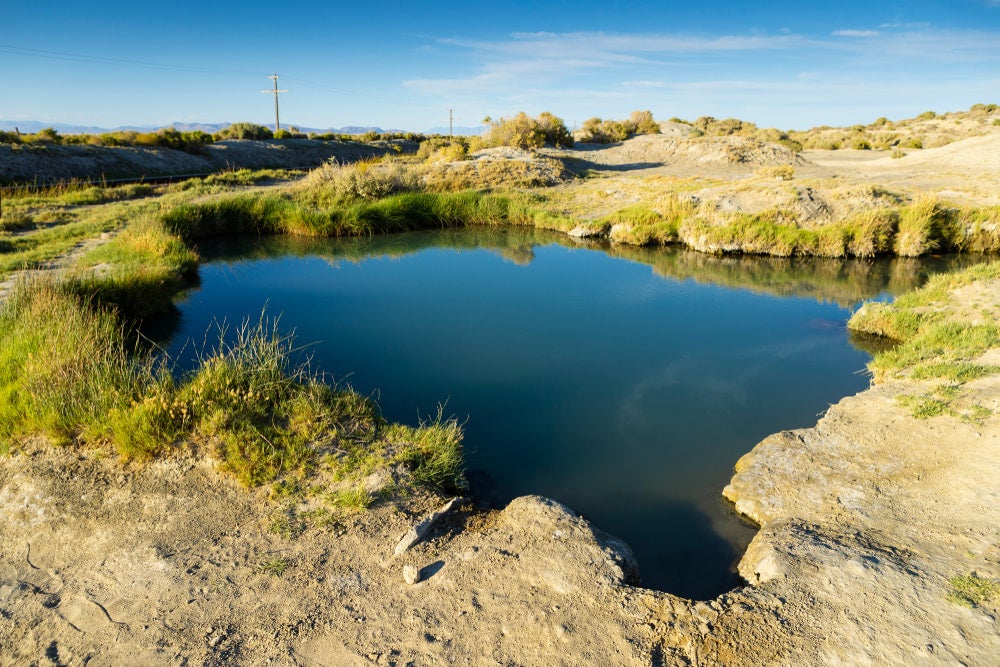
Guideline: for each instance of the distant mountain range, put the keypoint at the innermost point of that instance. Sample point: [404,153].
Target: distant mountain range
[31,126]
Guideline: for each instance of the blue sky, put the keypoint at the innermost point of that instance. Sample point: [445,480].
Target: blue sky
[403,65]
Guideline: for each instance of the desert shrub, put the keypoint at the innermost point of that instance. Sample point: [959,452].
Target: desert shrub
[861,145]
[47,135]
[520,131]
[365,180]
[554,130]
[523,131]
[438,149]
[644,122]
[245,131]
[490,171]
[927,115]
[596,130]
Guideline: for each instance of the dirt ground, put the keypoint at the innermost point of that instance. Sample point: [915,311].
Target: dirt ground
[865,520]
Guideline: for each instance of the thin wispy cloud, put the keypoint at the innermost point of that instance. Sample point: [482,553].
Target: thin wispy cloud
[615,71]
[856,33]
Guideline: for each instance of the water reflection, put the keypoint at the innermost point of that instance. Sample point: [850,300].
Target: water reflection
[626,393]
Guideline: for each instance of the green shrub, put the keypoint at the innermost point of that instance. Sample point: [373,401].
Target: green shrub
[245,131]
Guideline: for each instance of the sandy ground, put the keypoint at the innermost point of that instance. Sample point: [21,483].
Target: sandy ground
[865,519]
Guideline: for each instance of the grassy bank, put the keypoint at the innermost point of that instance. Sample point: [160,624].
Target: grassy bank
[936,343]
[71,372]
[922,228]
[285,214]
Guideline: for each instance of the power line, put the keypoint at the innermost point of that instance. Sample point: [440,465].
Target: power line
[104,60]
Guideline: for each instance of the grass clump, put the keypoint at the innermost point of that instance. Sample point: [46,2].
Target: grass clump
[274,566]
[65,365]
[971,590]
[312,212]
[639,225]
[262,413]
[433,450]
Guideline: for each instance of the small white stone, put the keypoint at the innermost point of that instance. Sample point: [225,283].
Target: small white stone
[411,574]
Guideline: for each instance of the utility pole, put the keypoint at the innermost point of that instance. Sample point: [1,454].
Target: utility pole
[451,118]
[274,77]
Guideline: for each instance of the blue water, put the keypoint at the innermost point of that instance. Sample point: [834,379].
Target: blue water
[624,392]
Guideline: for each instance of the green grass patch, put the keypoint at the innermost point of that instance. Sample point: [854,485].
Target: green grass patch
[938,343]
[944,400]
[433,450]
[64,366]
[971,590]
[274,566]
[353,498]
[263,413]
[924,407]
[960,372]
[33,250]
[933,343]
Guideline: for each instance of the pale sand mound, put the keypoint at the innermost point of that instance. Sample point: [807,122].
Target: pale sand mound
[657,150]
[979,155]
